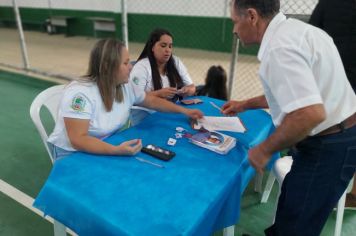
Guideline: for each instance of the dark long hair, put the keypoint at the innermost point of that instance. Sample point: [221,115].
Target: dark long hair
[175,80]
[105,58]
[215,83]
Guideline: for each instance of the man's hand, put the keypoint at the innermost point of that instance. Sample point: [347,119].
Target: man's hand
[129,148]
[258,158]
[232,107]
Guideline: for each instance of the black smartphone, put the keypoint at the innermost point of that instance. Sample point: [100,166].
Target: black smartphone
[158,152]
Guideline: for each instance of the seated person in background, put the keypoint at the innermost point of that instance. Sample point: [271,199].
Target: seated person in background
[160,73]
[215,84]
[98,105]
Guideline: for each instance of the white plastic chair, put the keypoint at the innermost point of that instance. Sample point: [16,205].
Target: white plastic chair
[280,169]
[48,98]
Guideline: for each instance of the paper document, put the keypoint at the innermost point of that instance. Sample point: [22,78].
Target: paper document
[218,123]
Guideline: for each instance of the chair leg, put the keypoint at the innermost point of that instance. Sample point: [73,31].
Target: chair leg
[341,208]
[258,182]
[268,188]
[276,203]
[340,214]
[229,231]
[59,229]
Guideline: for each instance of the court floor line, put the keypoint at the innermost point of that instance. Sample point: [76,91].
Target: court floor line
[24,200]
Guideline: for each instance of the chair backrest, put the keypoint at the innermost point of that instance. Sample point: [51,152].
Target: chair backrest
[281,168]
[49,98]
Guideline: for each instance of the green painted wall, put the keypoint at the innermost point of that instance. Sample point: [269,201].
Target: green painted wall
[206,33]
[78,22]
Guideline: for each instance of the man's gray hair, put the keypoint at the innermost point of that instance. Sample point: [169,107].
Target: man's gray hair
[265,8]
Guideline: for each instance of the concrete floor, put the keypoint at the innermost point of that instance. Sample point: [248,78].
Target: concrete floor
[68,56]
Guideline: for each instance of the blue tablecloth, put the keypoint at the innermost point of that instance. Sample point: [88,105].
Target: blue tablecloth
[197,193]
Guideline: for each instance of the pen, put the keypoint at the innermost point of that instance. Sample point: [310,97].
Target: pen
[149,162]
[216,106]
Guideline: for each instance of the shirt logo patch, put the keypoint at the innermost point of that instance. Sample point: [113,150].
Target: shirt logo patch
[78,103]
[135,80]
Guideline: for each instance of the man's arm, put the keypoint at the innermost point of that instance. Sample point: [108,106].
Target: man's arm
[294,127]
[233,107]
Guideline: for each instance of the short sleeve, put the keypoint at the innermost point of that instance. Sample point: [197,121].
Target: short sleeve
[140,76]
[291,79]
[136,94]
[183,72]
[76,104]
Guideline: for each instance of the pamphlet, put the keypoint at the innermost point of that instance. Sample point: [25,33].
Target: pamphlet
[233,124]
[214,141]
[191,101]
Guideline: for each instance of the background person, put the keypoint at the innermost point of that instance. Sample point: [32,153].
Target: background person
[98,105]
[312,106]
[338,19]
[215,84]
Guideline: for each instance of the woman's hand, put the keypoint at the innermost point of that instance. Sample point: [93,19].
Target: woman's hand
[166,92]
[188,90]
[162,105]
[129,148]
[193,113]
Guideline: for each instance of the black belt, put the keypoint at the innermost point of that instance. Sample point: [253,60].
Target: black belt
[347,123]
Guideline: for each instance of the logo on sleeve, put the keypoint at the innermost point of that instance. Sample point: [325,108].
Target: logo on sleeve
[78,103]
[135,80]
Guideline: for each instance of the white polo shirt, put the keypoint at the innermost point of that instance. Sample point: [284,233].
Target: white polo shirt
[82,100]
[141,75]
[300,66]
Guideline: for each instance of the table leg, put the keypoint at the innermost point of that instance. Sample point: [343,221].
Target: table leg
[258,182]
[229,231]
[59,229]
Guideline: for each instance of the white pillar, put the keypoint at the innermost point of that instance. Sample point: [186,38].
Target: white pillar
[234,56]
[124,23]
[22,37]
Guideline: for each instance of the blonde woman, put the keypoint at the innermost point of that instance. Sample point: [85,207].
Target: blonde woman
[98,105]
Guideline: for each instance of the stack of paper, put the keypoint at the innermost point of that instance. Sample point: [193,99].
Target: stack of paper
[219,123]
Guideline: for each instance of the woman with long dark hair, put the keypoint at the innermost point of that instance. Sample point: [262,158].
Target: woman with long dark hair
[215,84]
[160,73]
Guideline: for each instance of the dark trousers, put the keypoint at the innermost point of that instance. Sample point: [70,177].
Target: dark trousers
[322,169]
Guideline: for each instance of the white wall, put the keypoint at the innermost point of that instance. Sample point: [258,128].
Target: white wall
[94,5]
[214,8]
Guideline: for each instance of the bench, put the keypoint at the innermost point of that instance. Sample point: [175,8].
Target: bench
[54,22]
[102,24]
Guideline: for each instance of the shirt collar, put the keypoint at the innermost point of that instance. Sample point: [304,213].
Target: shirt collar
[271,28]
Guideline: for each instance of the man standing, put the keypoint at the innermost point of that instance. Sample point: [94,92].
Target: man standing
[313,107]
